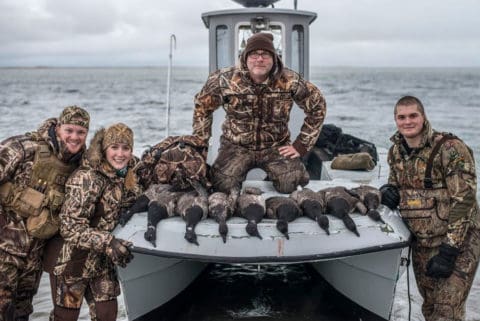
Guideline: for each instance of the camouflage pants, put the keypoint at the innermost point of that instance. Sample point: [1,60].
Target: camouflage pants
[233,163]
[100,293]
[444,299]
[19,281]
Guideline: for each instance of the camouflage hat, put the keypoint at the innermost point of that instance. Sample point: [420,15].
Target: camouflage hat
[118,134]
[74,115]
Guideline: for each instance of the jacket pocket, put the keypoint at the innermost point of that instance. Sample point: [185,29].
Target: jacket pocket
[424,212]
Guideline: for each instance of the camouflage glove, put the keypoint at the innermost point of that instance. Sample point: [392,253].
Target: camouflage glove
[442,264]
[118,251]
[390,196]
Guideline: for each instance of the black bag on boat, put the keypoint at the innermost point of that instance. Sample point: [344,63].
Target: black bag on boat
[333,143]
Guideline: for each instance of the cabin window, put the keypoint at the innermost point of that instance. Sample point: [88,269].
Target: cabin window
[223,39]
[245,31]
[298,49]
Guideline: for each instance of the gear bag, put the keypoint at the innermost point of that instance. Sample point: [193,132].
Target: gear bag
[177,160]
[333,142]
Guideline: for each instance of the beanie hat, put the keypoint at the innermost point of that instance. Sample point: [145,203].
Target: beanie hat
[263,41]
[260,41]
[74,115]
[116,134]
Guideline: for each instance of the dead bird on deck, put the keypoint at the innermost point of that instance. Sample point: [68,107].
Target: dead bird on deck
[312,205]
[251,205]
[221,207]
[192,207]
[178,162]
[159,200]
[371,197]
[340,203]
[284,209]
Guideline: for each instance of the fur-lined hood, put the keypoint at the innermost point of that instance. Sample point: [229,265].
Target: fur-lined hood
[95,157]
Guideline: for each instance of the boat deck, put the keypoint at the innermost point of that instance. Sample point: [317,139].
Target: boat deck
[307,243]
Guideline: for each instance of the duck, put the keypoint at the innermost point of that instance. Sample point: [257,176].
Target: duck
[371,197]
[284,209]
[312,205]
[221,207]
[192,206]
[161,204]
[251,205]
[339,202]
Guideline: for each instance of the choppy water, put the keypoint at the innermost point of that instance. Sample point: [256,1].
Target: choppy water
[360,100]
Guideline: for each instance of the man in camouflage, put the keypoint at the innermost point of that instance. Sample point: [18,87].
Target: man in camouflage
[34,164]
[257,97]
[88,252]
[432,180]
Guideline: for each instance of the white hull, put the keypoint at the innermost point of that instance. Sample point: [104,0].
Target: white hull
[151,281]
[368,280]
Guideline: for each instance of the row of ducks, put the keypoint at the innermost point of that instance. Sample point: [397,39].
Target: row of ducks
[161,201]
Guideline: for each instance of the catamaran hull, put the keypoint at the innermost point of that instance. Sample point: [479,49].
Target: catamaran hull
[151,281]
[367,279]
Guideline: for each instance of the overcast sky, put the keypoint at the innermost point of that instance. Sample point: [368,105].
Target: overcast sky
[137,32]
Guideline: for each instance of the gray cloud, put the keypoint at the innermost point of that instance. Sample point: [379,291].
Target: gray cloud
[137,33]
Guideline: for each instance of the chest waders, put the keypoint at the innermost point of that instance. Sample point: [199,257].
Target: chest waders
[426,210]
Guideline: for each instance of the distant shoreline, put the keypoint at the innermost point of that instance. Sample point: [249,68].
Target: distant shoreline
[206,67]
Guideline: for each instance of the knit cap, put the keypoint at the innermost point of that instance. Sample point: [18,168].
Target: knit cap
[260,41]
[74,115]
[118,134]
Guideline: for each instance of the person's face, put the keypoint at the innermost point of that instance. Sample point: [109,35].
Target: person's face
[72,136]
[259,64]
[118,155]
[409,121]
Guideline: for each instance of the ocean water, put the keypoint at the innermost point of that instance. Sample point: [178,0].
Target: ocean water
[359,100]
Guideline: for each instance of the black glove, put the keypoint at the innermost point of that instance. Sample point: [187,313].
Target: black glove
[442,264]
[125,216]
[118,251]
[390,196]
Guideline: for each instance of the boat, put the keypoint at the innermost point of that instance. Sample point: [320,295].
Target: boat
[365,269]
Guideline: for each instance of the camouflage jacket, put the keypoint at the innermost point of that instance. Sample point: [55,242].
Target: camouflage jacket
[17,155]
[257,115]
[454,179]
[95,194]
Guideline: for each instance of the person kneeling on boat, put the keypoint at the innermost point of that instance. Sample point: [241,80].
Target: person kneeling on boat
[257,97]
[174,173]
[433,182]
[88,251]
[33,171]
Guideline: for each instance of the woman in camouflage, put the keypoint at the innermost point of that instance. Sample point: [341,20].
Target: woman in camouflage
[432,179]
[96,193]
[33,171]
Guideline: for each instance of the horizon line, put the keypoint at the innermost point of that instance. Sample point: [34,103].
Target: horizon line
[196,66]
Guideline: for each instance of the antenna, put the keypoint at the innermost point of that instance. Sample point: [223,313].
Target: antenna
[173,44]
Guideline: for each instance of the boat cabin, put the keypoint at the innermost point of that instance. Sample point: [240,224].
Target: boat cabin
[228,31]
